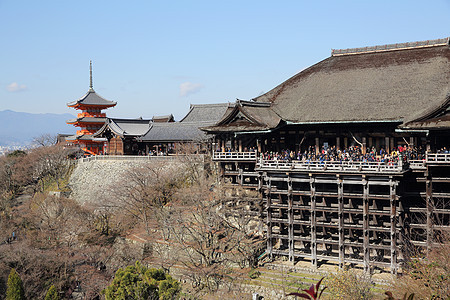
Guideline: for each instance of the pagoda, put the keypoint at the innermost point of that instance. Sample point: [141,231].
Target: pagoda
[89,120]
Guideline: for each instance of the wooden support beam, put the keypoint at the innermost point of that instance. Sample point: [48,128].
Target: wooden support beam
[313,222]
[341,222]
[429,204]
[366,259]
[364,145]
[269,222]
[291,221]
[241,176]
[317,145]
[393,204]
[387,145]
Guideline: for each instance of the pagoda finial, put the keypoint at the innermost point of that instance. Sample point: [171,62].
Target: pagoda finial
[91,87]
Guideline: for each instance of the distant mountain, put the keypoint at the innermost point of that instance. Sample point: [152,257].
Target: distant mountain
[19,128]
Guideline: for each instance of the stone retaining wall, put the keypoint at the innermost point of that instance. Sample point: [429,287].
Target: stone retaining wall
[91,181]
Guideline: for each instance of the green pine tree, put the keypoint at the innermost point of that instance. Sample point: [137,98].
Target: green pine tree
[52,294]
[14,289]
[139,282]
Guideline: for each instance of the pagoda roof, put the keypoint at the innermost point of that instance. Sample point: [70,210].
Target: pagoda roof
[85,137]
[391,83]
[86,120]
[91,98]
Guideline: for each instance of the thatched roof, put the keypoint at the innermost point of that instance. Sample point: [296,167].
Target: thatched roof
[396,85]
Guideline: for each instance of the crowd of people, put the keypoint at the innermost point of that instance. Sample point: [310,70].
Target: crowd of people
[350,154]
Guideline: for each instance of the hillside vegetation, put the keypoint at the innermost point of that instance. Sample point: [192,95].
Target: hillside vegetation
[171,217]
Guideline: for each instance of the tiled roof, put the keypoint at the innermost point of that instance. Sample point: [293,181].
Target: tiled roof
[188,129]
[86,120]
[166,118]
[92,98]
[126,127]
[175,131]
[206,112]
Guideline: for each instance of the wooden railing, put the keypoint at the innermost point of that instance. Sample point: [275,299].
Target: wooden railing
[136,157]
[441,158]
[417,164]
[331,166]
[240,156]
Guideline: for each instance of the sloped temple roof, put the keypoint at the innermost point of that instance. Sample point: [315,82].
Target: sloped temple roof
[91,98]
[398,83]
[125,127]
[246,116]
[188,129]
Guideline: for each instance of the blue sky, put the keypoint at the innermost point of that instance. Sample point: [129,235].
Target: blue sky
[157,57]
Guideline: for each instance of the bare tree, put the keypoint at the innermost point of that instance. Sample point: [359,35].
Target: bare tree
[144,191]
[214,247]
[45,140]
[50,163]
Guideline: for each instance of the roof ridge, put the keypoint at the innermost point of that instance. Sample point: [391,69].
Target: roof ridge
[211,104]
[392,47]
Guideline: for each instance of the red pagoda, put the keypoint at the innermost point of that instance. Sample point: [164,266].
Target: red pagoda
[89,120]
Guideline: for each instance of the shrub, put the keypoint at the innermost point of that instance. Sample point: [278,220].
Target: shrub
[52,294]
[253,274]
[15,289]
[349,284]
[139,282]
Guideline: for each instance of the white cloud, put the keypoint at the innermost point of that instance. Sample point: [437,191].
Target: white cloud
[188,88]
[15,87]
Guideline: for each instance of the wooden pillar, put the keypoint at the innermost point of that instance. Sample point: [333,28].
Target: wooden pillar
[269,220]
[392,144]
[258,145]
[370,143]
[393,222]
[377,144]
[411,141]
[317,146]
[313,222]
[240,145]
[291,221]
[345,142]
[223,144]
[241,175]
[387,144]
[364,145]
[338,143]
[429,204]
[341,222]
[366,249]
